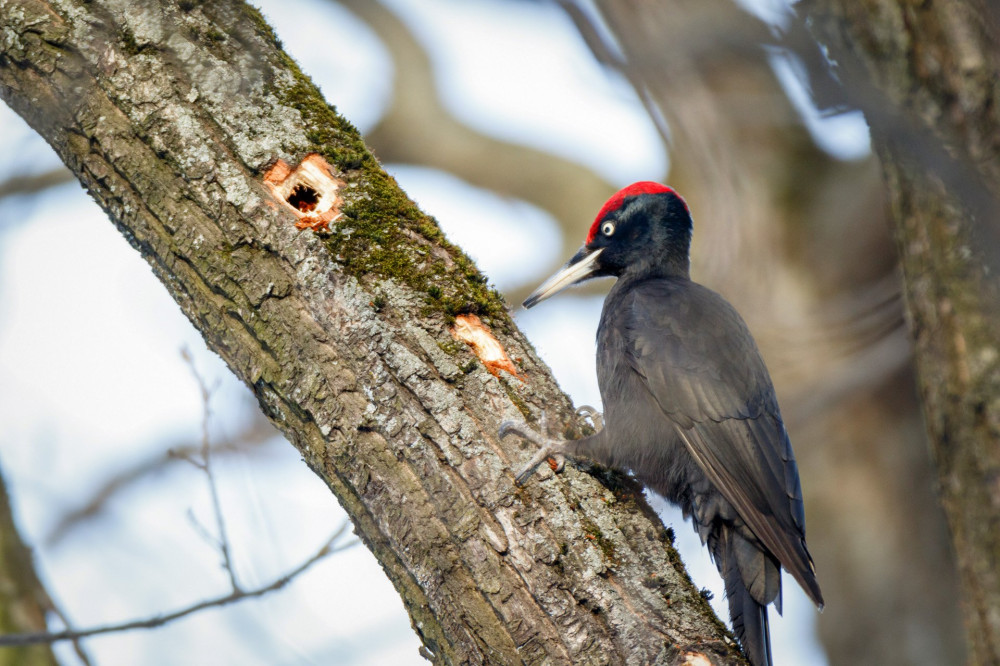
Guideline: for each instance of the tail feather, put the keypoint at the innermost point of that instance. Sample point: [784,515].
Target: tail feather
[748,617]
[761,574]
[750,626]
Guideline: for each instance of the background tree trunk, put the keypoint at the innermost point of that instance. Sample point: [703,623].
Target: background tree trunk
[23,600]
[926,76]
[169,114]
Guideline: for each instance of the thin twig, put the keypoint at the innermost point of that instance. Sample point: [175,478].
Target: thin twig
[77,645]
[206,466]
[252,440]
[202,531]
[12,640]
[610,55]
[221,542]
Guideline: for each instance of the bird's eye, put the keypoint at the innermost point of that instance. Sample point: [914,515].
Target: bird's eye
[608,228]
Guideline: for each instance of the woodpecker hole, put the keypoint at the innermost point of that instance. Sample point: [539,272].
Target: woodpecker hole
[309,189]
[304,198]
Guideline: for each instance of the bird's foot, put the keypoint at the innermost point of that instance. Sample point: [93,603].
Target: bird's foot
[596,418]
[551,450]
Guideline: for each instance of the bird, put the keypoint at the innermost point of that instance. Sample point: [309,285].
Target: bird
[689,406]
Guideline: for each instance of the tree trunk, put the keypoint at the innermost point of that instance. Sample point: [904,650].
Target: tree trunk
[926,73]
[23,599]
[184,121]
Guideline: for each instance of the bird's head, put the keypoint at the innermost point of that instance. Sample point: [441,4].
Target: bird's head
[643,230]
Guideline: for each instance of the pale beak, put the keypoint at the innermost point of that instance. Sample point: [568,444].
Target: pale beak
[580,267]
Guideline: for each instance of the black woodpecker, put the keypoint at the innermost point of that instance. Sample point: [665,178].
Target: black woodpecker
[689,406]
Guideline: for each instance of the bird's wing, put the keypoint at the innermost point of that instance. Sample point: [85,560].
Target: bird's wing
[701,365]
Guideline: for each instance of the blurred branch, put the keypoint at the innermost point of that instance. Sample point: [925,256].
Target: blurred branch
[869,367]
[610,58]
[894,116]
[237,594]
[17,185]
[257,431]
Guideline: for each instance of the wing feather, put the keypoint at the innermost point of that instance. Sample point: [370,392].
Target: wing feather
[702,366]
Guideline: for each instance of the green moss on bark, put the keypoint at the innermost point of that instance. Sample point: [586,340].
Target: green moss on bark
[595,534]
[375,237]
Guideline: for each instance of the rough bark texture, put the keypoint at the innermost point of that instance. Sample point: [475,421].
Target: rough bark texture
[23,600]
[170,113]
[926,74]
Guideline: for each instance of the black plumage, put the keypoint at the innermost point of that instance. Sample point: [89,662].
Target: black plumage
[689,405]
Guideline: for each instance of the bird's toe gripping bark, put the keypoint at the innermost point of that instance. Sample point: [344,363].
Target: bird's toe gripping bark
[551,450]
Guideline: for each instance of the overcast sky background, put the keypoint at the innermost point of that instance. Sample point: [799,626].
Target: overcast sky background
[91,378]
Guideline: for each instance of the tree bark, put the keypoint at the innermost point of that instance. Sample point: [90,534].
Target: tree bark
[926,73]
[171,115]
[23,599]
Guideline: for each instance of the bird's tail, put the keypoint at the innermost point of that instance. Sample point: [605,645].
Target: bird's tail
[748,617]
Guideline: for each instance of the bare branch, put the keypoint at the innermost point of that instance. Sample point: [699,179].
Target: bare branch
[256,433]
[34,183]
[328,548]
[222,541]
[78,648]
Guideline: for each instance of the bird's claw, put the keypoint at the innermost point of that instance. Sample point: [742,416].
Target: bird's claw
[548,453]
[521,429]
[550,450]
[596,418]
